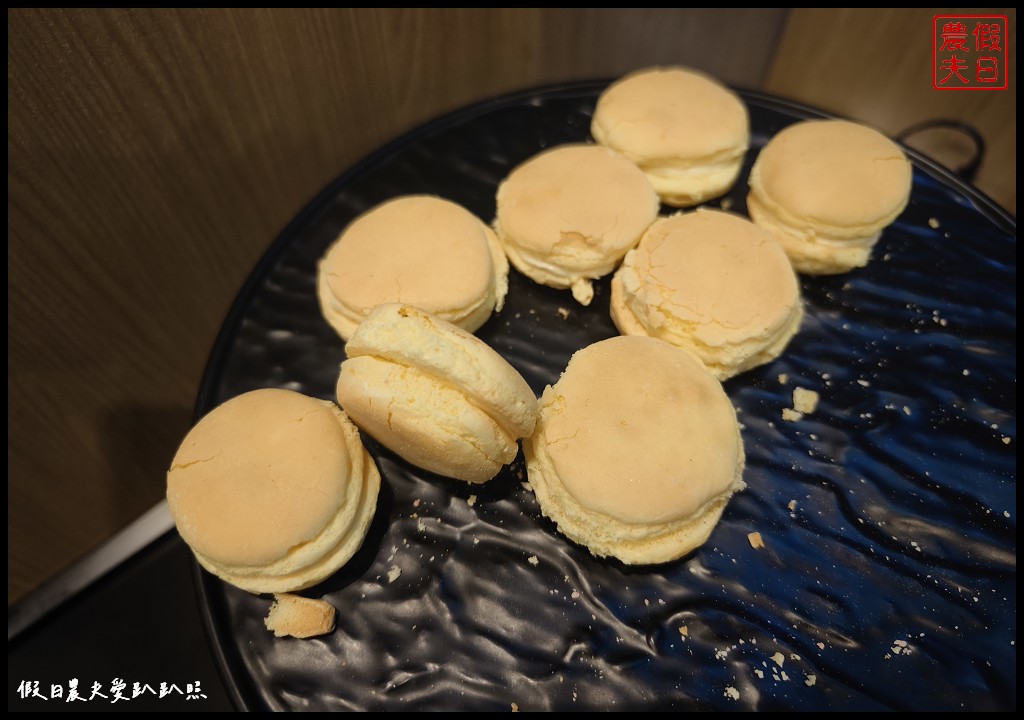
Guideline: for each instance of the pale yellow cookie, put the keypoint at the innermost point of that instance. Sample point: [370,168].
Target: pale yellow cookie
[273,490]
[435,394]
[636,452]
[826,189]
[567,216]
[713,283]
[685,130]
[416,249]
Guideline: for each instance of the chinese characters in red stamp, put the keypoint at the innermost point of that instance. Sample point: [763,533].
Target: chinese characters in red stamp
[969,52]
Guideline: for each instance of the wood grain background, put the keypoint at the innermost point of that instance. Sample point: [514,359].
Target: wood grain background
[153,155]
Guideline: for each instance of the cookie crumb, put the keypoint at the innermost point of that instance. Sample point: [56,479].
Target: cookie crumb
[755,540]
[792,505]
[515,707]
[731,692]
[791,415]
[805,401]
[563,313]
[821,645]
[533,560]
[933,223]
[811,679]
[778,658]
[899,647]
[783,378]
[684,631]
[471,501]
[726,203]
[394,572]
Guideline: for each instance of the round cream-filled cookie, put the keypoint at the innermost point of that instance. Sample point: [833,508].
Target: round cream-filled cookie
[418,249]
[273,490]
[568,215]
[826,189]
[713,283]
[686,131]
[636,452]
[435,394]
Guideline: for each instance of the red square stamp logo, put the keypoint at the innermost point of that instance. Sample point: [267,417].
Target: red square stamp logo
[969,52]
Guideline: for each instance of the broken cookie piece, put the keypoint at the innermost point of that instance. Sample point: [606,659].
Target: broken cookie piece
[805,401]
[300,617]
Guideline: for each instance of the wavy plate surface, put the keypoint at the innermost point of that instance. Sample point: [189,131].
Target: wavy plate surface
[888,576]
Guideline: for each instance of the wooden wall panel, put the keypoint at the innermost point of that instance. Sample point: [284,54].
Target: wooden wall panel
[875,66]
[154,154]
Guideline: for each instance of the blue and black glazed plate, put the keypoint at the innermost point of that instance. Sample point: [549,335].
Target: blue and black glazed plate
[888,576]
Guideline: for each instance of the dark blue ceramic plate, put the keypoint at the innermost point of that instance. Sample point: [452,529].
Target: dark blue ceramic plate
[888,576]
